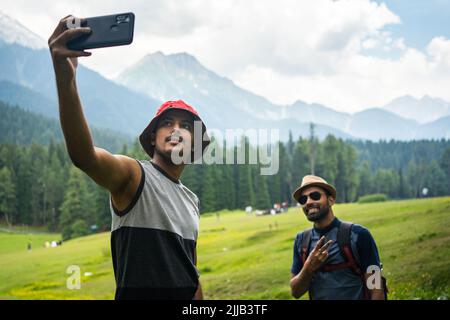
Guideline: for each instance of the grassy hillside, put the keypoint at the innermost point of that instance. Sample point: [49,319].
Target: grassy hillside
[17,239]
[247,257]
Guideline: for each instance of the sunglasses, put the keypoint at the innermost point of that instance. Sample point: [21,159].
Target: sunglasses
[316,195]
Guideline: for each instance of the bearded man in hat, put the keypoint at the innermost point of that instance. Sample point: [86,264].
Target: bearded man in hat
[331,260]
[155,218]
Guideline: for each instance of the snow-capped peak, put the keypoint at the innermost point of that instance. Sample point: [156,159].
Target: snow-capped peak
[12,31]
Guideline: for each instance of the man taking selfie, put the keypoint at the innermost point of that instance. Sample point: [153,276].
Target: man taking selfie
[332,259]
[155,217]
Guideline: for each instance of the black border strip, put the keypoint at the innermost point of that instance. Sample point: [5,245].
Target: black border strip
[135,197]
[164,173]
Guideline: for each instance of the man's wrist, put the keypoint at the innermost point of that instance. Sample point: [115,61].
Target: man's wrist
[63,70]
[65,80]
[307,269]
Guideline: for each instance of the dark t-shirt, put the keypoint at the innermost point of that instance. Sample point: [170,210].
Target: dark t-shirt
[330,285]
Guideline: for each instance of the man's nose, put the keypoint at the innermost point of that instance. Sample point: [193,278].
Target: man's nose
[309,201]
[176,126]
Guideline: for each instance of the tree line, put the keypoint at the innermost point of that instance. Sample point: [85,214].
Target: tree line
[40,186]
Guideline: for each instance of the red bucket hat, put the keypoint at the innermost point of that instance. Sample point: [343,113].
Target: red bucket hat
[145,137]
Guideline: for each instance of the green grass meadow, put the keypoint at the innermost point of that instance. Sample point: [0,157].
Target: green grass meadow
[241,256]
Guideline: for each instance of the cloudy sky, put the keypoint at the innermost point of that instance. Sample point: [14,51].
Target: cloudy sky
[346,54]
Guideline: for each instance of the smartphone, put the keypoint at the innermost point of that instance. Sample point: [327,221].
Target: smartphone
[106,31]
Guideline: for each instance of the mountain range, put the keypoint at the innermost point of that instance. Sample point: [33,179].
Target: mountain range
[128,102]
[222,102]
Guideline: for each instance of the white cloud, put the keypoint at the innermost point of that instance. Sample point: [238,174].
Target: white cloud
[362,81]
[316,51]
[439,50]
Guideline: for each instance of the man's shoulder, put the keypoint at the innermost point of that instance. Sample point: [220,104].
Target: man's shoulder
[144,163]
[152,170]
[364,238]
[190,193]
[360,229]
[299,236]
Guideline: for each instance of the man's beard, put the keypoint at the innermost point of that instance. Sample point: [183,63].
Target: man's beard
[167,156]
[319,215]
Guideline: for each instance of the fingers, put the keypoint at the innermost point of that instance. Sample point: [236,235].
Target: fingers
[61,54]
[319,243]
[71,53]
[326,246]
[68,22]
[70,34]
[62,25]
[323,256]
[75,54]
[59,48]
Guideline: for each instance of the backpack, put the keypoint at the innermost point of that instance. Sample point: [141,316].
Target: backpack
[343,240]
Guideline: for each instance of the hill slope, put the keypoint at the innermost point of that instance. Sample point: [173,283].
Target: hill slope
[248,257]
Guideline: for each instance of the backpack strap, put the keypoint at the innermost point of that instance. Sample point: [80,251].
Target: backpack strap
[304,250]
[344,243]
[306,243]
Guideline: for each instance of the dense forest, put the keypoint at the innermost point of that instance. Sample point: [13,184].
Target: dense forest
[40,186]
[25,127]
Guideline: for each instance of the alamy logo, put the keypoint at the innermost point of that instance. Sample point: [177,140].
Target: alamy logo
[221,151]
[374,280]
[73,282]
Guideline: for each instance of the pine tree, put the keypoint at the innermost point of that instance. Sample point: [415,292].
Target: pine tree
[7,196]
[209,196]
[77,203]
[54,190]
[347,176]
[329,159]
[24,187]
[436,180]
[246,195]
[300,162]
[284,172]
[38,156]
[227,191]
[445,166]
[262,197]
[290,145]
[365,180]
[102,208]
[274,188]
[192,178]
[386,181]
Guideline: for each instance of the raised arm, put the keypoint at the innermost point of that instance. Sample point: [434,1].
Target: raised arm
[114,172]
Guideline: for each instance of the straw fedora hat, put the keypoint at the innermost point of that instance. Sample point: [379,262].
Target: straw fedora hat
[314,181]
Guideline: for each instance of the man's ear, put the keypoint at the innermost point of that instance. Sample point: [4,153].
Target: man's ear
[331,201]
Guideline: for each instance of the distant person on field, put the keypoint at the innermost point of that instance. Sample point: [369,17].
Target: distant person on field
[155,218]
[331,260]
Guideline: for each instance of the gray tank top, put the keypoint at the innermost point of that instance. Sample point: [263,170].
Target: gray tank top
[153,240]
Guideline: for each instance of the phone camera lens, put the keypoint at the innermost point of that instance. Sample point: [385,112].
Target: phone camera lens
[123,18]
